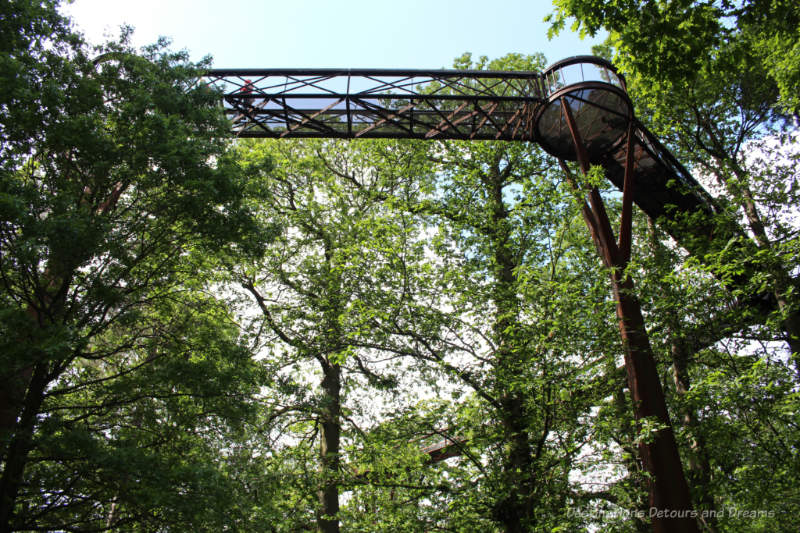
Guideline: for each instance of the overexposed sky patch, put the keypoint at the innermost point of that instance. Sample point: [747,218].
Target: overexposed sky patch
[328,33]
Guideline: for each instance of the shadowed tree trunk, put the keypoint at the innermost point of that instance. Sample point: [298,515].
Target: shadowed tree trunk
[330,462]
[20,445]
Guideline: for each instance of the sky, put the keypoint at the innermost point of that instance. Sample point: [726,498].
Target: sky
[426,34]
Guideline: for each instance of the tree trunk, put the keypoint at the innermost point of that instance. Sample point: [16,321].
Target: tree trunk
[327,520]
[783,279]
[699,471]
[515,510]
[12,396]
[20,445]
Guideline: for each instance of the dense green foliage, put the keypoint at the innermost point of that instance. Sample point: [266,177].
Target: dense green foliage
[201,335]
[697,40]
[118,367]
[717,85]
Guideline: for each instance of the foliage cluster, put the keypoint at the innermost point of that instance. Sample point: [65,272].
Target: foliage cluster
[201,335]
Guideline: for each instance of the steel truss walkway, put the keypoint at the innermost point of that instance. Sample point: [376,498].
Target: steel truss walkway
[535,107]
[577,110]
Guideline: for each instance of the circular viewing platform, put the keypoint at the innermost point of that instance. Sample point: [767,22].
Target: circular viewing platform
[590,89]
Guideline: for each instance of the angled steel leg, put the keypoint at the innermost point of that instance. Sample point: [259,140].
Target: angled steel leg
[671,505]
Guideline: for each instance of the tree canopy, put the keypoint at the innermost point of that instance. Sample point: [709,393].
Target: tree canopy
[115,191]
[207,334]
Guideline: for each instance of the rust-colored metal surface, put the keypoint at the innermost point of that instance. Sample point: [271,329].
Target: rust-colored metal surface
[371,103]
[669,491]
[471,105]
[444,449]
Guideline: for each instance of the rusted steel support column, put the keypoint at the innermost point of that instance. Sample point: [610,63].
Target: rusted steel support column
[626,218]
[670,504]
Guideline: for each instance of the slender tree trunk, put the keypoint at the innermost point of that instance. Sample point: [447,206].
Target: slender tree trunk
[699,471]
[15,384]
[330,422]
[516,509]
[20,445]
[13,387]
[791,325]
[12,395]
[791,321]
[698,468]
[112,513]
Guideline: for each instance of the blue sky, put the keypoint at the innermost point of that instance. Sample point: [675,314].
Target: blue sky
[334,33]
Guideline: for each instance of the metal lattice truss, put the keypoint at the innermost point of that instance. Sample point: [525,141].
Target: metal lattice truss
[471,105]
[441,104]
